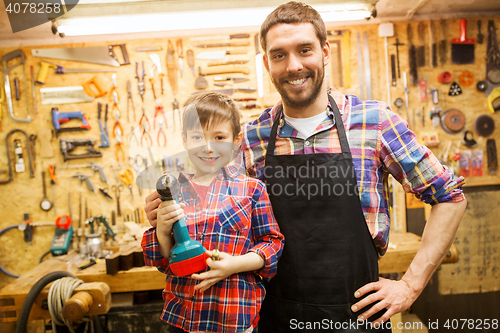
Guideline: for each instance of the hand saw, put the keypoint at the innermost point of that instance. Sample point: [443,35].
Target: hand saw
[102,55]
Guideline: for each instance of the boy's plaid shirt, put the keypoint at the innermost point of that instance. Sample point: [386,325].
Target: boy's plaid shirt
[380,144]
[237,212]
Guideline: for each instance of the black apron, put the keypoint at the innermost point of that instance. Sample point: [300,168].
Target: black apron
[329,252]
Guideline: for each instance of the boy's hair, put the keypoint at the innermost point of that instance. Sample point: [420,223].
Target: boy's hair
[207,110]
[290,13]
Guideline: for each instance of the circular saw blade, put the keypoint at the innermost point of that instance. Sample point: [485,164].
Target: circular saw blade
[453,121]
[484,125]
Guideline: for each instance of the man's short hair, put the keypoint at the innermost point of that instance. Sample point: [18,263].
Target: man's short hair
[290,13]
[207,110]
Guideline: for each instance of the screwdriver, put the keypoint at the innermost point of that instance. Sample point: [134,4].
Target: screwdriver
[52,171]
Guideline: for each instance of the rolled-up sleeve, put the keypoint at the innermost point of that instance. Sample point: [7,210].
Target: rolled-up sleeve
[414,165]
[268,239]
[151,250]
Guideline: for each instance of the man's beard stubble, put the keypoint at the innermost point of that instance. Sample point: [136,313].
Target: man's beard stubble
[287,100]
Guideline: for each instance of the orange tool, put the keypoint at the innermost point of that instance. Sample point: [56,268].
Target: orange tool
[52,171]
[87,87]
[127,176]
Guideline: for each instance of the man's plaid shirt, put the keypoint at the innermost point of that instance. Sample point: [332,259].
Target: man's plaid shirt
[380,144]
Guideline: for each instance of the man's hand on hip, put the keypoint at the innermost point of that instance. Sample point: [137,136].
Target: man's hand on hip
[395,296]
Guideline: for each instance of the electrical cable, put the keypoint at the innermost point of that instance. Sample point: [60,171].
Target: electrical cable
[59,293]
[43,256]
[22,320]
[1,268]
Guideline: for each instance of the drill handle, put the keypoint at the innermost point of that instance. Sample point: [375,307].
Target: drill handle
[179,228]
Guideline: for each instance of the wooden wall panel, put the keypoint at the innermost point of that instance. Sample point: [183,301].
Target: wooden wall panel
[24,194]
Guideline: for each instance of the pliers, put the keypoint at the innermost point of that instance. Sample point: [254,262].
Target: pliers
[113,88]
[129,98]
[117,115]
[145,126]
[119,145]
[161,133]
[140,80]
[175,106]
[159,107]
[151,79]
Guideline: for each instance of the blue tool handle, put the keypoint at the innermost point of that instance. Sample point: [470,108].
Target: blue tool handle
[60,70]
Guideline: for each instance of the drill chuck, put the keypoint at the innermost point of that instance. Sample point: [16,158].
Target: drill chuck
[167,187]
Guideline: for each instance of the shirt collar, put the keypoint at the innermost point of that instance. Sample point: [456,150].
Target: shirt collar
[285,130]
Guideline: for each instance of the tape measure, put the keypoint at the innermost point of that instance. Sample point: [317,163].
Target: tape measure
[453,121]
[494,100]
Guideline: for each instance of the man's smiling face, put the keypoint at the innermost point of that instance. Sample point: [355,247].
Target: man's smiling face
[295,62]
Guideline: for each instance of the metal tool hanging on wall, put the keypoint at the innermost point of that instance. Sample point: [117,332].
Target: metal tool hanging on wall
[412,58]
[102,55]
[172,67]
[5,181]
[8,94]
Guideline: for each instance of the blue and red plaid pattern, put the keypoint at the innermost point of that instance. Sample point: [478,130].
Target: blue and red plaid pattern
[380,144]
[237,216]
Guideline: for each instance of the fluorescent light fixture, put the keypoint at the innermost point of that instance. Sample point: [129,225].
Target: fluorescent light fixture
[192,20]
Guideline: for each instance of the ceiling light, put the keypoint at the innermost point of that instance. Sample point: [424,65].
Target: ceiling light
[196,20]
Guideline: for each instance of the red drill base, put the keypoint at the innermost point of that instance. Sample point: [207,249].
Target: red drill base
[190,266]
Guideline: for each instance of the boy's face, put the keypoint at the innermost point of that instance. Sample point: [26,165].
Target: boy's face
[296,61]
[210,149]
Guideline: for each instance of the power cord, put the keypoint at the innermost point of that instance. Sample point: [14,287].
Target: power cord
[59,293]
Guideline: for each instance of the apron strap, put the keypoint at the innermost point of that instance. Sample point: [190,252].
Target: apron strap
[338,120]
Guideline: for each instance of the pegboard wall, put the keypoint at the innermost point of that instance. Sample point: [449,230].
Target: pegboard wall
[347,69]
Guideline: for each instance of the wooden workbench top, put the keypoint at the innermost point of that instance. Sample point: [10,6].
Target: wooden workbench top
[402,249]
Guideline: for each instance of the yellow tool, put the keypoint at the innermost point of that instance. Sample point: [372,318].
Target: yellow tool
[494,100]
[44,69]
[45,65]
[95,81]
[2,99]
[127,177]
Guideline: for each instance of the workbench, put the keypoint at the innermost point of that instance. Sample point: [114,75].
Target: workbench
[402,249]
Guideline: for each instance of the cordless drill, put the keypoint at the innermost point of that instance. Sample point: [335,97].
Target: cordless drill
[187,256]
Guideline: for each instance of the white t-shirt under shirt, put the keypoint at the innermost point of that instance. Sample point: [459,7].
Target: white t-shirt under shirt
[305,126]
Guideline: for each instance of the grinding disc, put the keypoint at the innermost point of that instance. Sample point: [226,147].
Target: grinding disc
[453,121]
[466,78]
[444,77]
[485,125]
[494,75]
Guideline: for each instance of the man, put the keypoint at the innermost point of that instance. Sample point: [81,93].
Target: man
[325,158]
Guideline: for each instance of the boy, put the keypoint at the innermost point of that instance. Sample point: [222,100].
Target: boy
[224,210]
